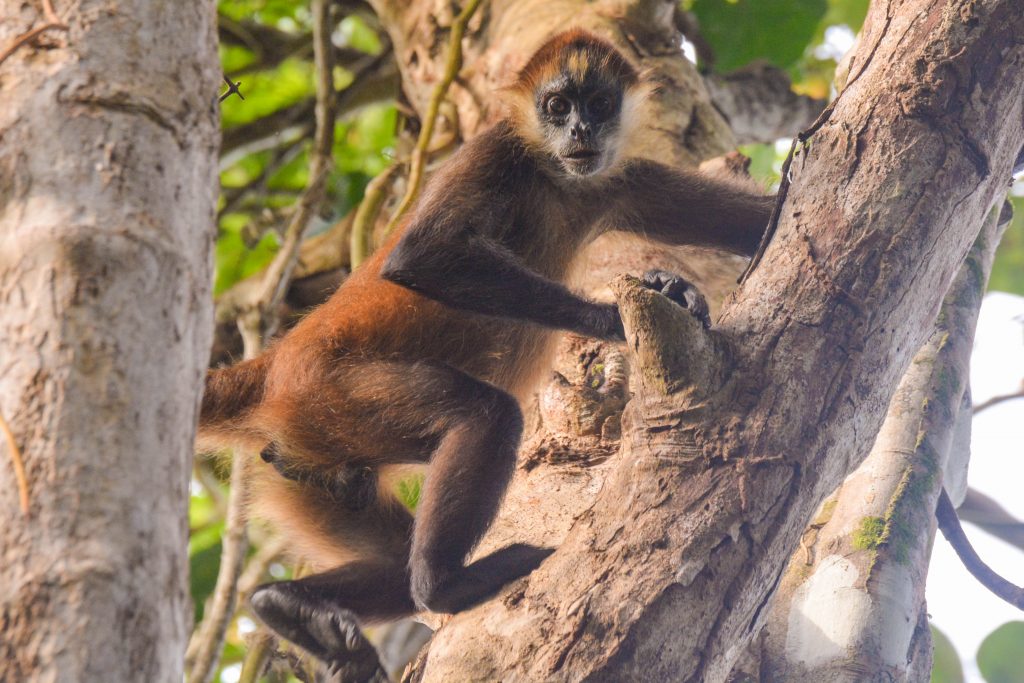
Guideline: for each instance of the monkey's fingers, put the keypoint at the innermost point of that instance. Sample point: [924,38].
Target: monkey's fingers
[681,291]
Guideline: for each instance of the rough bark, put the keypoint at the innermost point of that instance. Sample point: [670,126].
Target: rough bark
[851,604]
[108,141]
[666,575]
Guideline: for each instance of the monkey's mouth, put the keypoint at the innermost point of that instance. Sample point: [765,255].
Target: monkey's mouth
[582,154]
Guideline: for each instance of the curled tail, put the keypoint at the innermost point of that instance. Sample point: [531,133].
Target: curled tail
[229,397]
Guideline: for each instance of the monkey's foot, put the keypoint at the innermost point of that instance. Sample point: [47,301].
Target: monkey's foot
[475,583]
[330,634]
[681,291]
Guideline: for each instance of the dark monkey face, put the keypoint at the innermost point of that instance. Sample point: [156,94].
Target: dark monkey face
[579,119]
[580,91]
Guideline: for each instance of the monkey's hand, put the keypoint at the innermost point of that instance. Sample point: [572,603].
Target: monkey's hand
[602,321]
[355,487]
[681,291]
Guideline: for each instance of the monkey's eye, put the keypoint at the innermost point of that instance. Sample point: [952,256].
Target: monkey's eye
[600,106]
[557,105]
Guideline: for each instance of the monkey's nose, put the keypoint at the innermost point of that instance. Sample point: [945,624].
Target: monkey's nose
[581,132]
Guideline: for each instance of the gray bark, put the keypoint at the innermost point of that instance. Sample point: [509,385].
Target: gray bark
[108,141]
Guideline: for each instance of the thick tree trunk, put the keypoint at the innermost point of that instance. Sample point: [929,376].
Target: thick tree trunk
[851,604]
[108,141]
[670,551]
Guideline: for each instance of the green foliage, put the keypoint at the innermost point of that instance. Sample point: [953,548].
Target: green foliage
[946,667]
[280,13]
[272,174]
[783,32]
[741,31]
[1008,269]
[1001,655]
[409,490]
[848,12]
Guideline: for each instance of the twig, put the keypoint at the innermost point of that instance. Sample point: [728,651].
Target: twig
[19,465]
[284,154]
[784,183]
[451,70]
[366,215]
[258,564]
[205,649]
[278,274]
[954,533]
[53,22]
[232,90]
[996,400]
[260,649]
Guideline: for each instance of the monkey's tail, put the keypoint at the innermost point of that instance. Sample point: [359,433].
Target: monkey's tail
[230,395]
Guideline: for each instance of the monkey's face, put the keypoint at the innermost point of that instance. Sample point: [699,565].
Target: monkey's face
[579,120]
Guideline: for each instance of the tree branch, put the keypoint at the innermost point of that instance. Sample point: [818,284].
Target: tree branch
[988,515]
[419,155]
[954,533]
[759,104]
[996,400]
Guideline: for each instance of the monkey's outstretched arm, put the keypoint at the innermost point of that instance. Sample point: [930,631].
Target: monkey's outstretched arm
[477,274]
[683,207]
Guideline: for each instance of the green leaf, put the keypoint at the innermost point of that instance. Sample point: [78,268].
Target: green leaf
[203,568]
[741,31]
[409,490]
[1001,655]
[1008,269]
[234,261]
[946,667]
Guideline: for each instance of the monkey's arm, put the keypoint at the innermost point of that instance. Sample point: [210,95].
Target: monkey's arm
[687,207]
[473,273]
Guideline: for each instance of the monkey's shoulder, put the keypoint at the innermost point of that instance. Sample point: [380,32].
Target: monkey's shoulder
[494,162]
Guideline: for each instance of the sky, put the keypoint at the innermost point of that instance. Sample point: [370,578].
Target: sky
[959,606]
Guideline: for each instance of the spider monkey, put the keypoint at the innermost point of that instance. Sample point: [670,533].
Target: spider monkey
[424,353]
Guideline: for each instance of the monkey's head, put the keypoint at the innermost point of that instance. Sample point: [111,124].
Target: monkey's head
[573,99]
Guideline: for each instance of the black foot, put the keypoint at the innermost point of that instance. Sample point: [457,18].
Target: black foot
[478,581]
[330,634]
[681,291]
[353,486]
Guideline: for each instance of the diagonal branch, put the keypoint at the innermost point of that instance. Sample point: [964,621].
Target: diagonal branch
[954,533]
[419,155]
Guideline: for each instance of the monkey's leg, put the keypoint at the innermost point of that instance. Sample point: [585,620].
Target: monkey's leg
[468,475]
[383,412]
[322,613]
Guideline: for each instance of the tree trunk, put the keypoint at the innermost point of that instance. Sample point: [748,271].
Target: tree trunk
[108,141]
[851,604]
[670,549]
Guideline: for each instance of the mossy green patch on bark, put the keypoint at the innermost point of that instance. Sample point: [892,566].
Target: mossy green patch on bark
[868,534]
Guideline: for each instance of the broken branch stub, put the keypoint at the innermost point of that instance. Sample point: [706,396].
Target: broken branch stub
[673,352]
